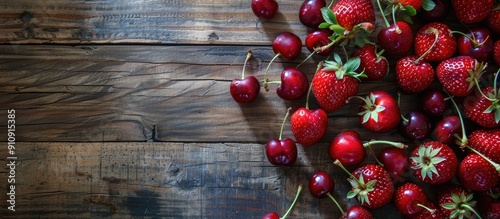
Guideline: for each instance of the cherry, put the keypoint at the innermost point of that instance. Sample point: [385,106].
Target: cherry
[357,212]
[477,43]
[396,39]
[321,184]
[281,151]
[434,103]
[264,9]
[293,85]
[274,215]
[446,129]
[415,126]
[395,161]
[438,13]
[310,13]
[318,39]
[245,90]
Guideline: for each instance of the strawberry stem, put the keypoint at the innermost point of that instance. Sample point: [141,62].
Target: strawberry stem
[469,208]
[299,189]
[283,124]
[267,69]
[249,55]
[336,203]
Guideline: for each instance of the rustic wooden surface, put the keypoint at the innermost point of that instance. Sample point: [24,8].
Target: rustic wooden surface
[123,111]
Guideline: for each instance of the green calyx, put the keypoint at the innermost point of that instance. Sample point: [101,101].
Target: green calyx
[357,36]
[361,189]
[494,97]
[341,69]
[462,206]
[426,160]
[476,73]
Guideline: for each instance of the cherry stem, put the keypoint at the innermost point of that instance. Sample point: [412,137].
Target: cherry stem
[391,143]
[468,207]
[399,105]
[394,9]
[310,87]
[495,88]
[338,163]
[436,37]
[249,55]
[461,141]
[299,189]
[472,39]
[267,69]
[331,3]
[426,208]
[308,57]
[336,203]
[283,124]
[383,16]
[373,154]
[497,166]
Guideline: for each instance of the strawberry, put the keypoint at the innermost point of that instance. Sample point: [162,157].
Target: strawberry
[472,11]
[459,74]
[373,64]
[435,42]
[413,75]
[477,174]
[335,83]
[455,201]
[496,52]
[493,20]
[416,4]
[483,107]
[433,162]
[431,213]
[486,142]
[308,126]
[350,13]
[410,198]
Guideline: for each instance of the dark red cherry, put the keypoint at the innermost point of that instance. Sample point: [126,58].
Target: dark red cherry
[245,90]
[438,13]
[477,43]
[287,45]
[264,9]
[397,39]
[415,126]
[395,161]
[347,148]
[357,212]
[271,215]
[317,39]
[281,152]
[294,84]
[446,128]
[434,103]
[310,13]
[320,184]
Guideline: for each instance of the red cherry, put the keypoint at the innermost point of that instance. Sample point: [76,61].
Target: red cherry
[245,90]
[477,43]
[274,215]
[410,199]
[310,13]
[446,128]
[288,45]
[320,184]
[357,212]
[435,103]
[415,126]
[281,151]
[264,9]
[294,84]
[395,161]
[271,215]
[317,39]
[438,13]
[397,39]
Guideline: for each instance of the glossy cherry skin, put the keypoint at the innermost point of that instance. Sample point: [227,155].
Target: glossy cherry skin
[271,215]
[288,45]
[320,184]
[245,90]
[310,13]
[481,45]
[347,148]
[446,128]
[319,38]
[265,9]
[357,212]
[434,103]
[281,152]
[294,84]
[395,161]
[438,13]
[415,126]
[397,39]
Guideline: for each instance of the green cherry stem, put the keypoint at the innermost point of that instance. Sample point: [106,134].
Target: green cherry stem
[436,38]
[299,190]
[426,208]
[391,143]
[383,16]
[266,80]
[461,141]
[469,208]
[336,203]
[283,124]
[339,164]
[399,105]
[310,86]
[249,55]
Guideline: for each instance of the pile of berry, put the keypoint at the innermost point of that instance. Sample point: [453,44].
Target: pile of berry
[458,61]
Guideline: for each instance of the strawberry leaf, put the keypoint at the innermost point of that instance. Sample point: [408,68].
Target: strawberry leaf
[410,10]
[324,25]
[328,15]
[428,5]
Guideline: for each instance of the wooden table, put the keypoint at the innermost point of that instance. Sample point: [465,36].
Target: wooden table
[122,110]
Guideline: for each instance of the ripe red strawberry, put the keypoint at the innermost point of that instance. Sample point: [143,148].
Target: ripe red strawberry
[472,11]
[350,13]
[410,198]
[456,202]
[477,174]
[486,142]
[416,4]
[373,64]
[483,107]
[413,74]
[493,20]
[496,52]
[432,212]
[433,162]
[371,185]
[308,126]
[459,74]
[335,83]
[438,39]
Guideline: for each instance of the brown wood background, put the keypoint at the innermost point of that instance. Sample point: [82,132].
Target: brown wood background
[123,110]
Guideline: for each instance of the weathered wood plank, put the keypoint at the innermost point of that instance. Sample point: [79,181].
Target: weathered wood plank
[135,93]
[164,180]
